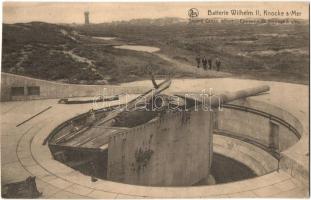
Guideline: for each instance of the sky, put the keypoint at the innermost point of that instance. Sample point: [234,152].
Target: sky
[70,12]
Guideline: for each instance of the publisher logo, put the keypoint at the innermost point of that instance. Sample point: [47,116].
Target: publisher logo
[193,12]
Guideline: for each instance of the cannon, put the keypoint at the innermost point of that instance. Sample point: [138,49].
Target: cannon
[127,143]
[226,97]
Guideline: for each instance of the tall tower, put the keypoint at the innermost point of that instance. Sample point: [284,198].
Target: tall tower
[86,17]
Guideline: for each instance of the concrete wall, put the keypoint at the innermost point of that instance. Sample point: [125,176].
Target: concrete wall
[295,169]
[174,150]
[272,109]
[52,90]
[256,127]
[260,161]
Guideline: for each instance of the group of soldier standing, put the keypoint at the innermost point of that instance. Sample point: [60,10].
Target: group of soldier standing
[208,62]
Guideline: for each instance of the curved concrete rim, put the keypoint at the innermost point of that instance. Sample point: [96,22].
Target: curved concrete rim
[78,179]
[149,191]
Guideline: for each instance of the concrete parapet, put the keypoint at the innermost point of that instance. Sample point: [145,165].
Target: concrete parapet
[15,87]
[240,120]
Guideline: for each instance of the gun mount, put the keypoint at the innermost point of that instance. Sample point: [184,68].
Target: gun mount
[138,135]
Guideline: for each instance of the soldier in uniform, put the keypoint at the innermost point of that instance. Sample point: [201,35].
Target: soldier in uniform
[198,59]
[91,118]
[218,63]
[204,62]
[210,63]
[73,127]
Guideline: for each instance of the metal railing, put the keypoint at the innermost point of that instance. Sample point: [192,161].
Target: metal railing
[265,114]
[274,152]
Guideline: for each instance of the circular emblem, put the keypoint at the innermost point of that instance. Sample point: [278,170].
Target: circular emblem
[193,12]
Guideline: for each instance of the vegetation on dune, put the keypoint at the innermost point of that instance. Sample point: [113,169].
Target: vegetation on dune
[265,51]
[55,52]
[70,54]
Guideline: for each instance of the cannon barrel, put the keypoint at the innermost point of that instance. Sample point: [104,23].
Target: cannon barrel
[223,98]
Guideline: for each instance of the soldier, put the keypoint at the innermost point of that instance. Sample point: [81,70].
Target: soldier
[210,63]
[91,118]
[73,127]
[218,63]
[198,59]
[204,62]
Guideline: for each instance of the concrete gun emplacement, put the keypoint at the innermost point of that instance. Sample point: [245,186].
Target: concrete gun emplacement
[133,135]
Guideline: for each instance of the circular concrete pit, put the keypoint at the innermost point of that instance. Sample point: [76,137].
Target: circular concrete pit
[191,147]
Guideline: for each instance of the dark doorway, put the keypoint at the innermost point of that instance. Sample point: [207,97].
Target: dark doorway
[17,91]
[34,90]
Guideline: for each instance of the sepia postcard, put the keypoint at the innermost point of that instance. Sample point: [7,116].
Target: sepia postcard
[149,100]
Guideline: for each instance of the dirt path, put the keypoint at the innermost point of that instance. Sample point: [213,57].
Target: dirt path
[199,72]
[179,66]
